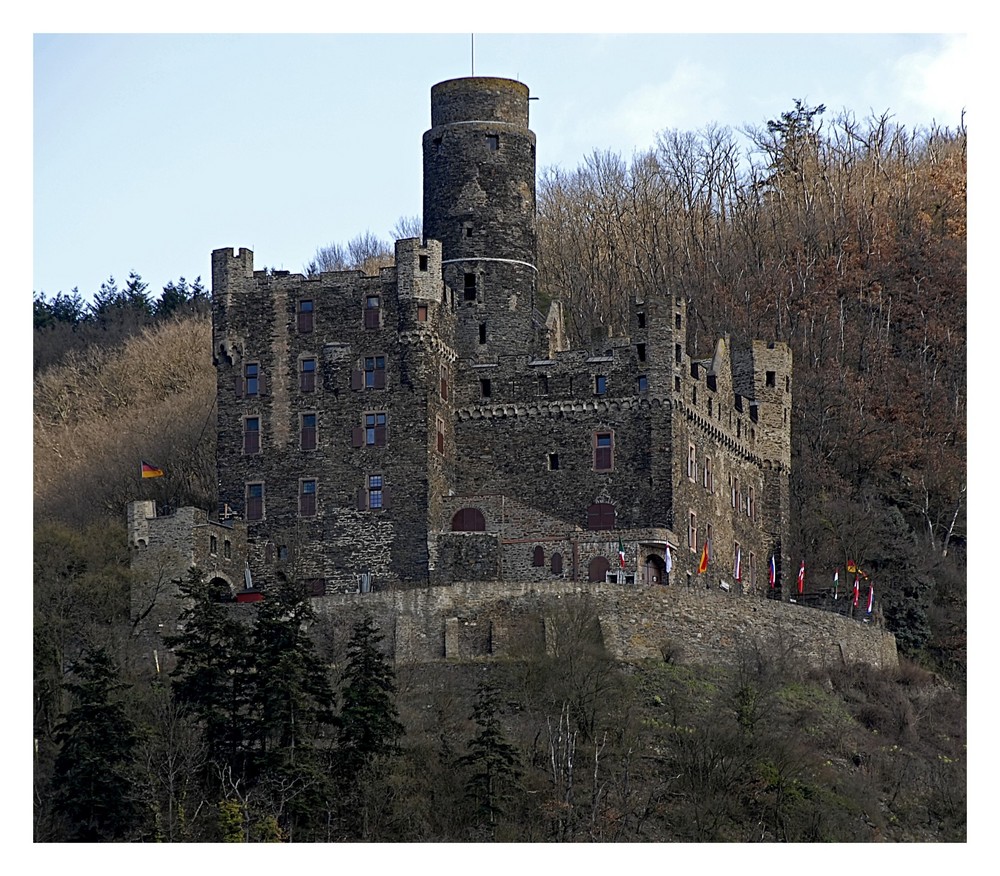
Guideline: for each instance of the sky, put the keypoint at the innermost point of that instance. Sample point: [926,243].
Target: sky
[151,150]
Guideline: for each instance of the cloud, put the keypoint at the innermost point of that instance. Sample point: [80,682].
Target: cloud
[935,82]
[688,100]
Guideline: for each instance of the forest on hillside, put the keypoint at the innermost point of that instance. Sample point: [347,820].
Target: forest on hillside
[844,238]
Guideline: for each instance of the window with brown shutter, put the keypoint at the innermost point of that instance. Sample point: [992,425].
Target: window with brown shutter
[307,375]
[307,436]
[601,515]
[556,564]
[468,520]
[255,501]
[373,312]
[251,435]
[307,498]
[538,556]
[305,316]
[604,445]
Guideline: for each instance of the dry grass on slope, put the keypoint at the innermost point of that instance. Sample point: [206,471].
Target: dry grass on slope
[101,412]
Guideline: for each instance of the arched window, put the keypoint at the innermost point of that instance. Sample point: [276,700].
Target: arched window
[598,569]
[538,557]
[556,564]
[468,520]
[601,515]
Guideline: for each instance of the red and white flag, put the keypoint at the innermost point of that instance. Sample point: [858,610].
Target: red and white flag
[802,576]
[857,590]
[738,565]
[871,597]
[772,572]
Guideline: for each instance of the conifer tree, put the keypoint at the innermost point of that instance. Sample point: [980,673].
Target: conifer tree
[494,762]
[94,791]
[369,722]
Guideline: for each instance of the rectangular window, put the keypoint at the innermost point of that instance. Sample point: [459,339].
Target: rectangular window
[734,491]
[604,446]
[677,353]
[307,498]
[692,463]
[751,572]
[469,291]
[492,142]
[251,378]
[255,501]
[440,436]
[482,333]
[251,435]
[422,311]
[307,434]
[374,491]
[373,312]
[640,352]
[641,319]
[485,388]
[677,320]
[692,530]
[213,545]
[375,372]
[642,383]
[751,504]
[305,316]
[553,462]
[709,540]
[707,479]
[227,549]
[543,384]
[769,378]
[375,429]
[600,384]
[677,384]
[422,262]
[307,375]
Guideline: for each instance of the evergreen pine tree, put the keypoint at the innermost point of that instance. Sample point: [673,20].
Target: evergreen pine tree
[94,794]
[369,722]
[494,762]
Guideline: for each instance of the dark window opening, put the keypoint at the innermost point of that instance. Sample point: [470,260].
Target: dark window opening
[485,388]
[227,549]
[213,545]
[283,552]
[556,564]
[538,556]
[600,384]
[440,437]
[305,319]
[492,142]
[307,436]
[307,375]
[641,317]
[307,498]
[640,351]
[482,333]
[677,384]
[469,291]
[643,383]
[677,353]
[694,395]
[677,321]
[769,378]
[422,261]
[468,231]
[468,520]
[543,384]
[553,462]
[251,378]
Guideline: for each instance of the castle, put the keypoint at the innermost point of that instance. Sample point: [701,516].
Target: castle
[423,446]
[429,425]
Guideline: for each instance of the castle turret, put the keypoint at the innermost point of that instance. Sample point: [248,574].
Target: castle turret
[479,201]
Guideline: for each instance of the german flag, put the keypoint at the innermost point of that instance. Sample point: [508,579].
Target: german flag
[151,471]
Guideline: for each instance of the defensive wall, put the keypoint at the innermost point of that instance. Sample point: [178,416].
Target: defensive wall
[469,621]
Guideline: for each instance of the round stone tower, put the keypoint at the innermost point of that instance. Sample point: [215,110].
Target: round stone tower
[479,201]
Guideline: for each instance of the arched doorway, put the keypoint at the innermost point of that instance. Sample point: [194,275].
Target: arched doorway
[597,570]
[654,570]
[468,520]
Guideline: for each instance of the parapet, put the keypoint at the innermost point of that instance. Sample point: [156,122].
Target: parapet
[479,99]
